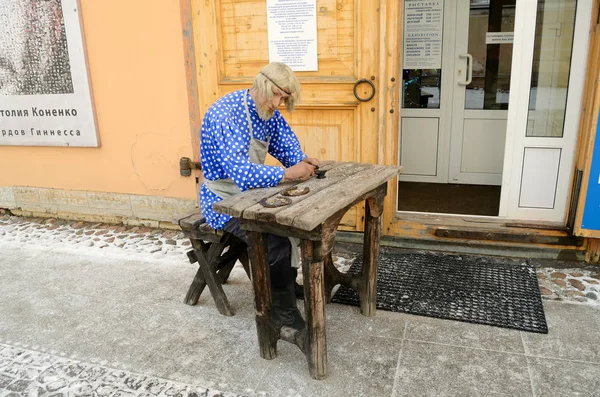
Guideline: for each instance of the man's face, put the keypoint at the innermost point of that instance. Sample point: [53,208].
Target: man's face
[265,107]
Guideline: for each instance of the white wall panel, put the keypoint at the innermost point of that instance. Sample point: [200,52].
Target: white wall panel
[419,145]
[483,146]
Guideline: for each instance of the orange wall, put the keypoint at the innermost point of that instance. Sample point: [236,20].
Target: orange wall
[136,65]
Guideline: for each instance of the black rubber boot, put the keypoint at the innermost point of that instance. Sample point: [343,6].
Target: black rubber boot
[286,309]
[298,291]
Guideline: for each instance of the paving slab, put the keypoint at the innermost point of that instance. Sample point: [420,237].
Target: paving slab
[551,377]
[572,333]
[461,334]
[432,369]
[43,319]
[363,366]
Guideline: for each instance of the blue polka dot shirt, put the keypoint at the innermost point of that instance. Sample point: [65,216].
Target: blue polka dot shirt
[225,145]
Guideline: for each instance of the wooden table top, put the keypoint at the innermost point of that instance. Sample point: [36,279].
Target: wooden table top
[343,184]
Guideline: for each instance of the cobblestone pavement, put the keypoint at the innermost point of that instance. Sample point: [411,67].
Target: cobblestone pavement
[29,373]
[94,237]
[576,285]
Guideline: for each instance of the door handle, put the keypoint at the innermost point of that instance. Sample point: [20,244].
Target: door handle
[469,76]
[364,99]
[186,165]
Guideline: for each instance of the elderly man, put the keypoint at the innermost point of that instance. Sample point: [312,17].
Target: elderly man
[237,132]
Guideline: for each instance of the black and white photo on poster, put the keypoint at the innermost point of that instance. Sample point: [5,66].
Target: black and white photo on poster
[45,96]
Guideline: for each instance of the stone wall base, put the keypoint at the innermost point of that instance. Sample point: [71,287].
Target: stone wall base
[118,208]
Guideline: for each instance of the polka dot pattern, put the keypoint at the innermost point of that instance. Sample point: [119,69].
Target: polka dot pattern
[225,145]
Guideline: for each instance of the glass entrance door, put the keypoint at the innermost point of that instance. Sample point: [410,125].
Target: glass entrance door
[483,58]
[454,112]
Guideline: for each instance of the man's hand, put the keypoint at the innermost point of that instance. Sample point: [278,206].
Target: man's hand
[312,161]
[300,171]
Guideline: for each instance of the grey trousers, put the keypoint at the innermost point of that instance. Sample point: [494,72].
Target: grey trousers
[278,255]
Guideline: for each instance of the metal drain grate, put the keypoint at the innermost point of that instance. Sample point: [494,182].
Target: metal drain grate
[472,289]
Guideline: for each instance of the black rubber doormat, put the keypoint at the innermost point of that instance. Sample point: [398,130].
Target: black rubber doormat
[462,288]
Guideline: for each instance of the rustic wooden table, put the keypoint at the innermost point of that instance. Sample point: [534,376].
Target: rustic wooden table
[312,217]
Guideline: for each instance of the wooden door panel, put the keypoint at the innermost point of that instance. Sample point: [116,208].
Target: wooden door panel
[327,134]
[242,31]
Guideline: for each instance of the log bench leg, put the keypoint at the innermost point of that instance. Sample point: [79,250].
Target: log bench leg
[314,305]
[219,265]
[245,262]
[263,300]
[228,260]
[198,284]
[224,272]
[196,289]
[206,261]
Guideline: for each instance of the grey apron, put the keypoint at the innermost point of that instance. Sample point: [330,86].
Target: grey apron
[226,188]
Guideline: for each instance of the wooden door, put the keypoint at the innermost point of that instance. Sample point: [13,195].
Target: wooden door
[231,46]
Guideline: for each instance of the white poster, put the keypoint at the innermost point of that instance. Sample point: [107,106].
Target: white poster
[499,37]
[292,29]
[45,97]
[423,24]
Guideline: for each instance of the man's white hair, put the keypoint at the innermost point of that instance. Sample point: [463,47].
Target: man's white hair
[277,74]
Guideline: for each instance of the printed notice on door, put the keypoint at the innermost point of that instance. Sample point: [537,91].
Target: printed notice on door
[292,27]
[423,23]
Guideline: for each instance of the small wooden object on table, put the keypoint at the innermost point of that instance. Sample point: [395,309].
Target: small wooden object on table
[214,265]
[314,218]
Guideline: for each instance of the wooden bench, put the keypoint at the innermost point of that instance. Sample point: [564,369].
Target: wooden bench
[216,252]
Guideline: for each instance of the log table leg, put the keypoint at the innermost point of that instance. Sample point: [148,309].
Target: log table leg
[368,288]
[261,282]
[314,306]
